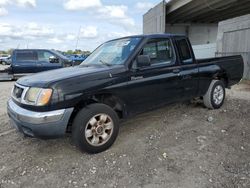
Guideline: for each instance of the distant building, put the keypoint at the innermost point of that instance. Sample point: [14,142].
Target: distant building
[234,38]
[201,20]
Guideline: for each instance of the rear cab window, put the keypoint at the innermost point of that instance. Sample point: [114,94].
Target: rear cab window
[26,56]
[184,51]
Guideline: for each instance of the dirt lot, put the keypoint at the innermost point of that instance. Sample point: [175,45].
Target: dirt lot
[181,145]
[2,67]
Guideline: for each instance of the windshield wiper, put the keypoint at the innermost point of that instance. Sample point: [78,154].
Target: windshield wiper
[105,63]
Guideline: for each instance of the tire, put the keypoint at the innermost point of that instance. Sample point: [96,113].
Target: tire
[90,133]
[215,95]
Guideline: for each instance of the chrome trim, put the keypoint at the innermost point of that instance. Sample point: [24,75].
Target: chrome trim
[21,75]
[25,89]
[34,117]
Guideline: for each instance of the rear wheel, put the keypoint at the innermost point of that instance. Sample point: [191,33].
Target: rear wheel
[215,95]
[95,128]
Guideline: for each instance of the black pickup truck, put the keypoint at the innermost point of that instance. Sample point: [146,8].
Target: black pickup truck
[122,77]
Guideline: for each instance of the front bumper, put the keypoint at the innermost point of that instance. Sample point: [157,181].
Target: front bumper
[39,124]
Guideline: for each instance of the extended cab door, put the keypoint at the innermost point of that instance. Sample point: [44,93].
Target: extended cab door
[189,71]
[24,61]
[47,61]
[157,84]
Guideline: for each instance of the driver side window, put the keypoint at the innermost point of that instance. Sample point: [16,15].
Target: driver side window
[44,56]
[160,51]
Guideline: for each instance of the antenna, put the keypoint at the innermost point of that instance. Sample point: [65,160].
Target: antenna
[78,36]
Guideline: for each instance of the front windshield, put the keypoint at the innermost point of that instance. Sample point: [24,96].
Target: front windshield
[114,52]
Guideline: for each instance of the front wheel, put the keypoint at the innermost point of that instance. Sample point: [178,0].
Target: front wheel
[95,128]
[215,95]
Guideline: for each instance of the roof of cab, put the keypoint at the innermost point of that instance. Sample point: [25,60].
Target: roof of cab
[159,35]
[29,49]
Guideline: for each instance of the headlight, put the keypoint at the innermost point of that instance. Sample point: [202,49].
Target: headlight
[32,95]
[44,97]
[38,96]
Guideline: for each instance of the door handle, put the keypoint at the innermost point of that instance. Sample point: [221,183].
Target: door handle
[176,71]
[39,64]
[136,77]
[185,77]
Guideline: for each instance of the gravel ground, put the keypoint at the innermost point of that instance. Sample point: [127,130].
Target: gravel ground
[2,67]
[181,145]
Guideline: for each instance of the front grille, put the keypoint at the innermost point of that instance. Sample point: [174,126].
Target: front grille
[17,92]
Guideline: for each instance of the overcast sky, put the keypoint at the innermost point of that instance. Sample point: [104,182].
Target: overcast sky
[56,23]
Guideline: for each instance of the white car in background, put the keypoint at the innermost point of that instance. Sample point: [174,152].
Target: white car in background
[4,59]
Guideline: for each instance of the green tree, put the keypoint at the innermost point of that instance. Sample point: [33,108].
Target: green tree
[69,52]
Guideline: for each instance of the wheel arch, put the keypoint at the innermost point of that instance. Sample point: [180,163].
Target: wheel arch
[112,100]
[223,76]
[109,99]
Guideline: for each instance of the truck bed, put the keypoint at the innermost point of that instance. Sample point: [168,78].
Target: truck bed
[232,66]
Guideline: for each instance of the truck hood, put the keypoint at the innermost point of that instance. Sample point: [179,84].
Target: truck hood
[43,79]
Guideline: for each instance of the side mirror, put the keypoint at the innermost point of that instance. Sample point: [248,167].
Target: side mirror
[53,59]
[143,61]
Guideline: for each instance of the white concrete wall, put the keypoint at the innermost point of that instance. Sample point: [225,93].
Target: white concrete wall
[204,50]
[197,33]
[154,20]
[234,38]
[236,28]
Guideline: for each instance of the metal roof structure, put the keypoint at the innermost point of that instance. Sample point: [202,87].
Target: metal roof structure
[204,11]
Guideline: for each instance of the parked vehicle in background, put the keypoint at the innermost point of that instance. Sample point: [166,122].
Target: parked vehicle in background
[120,78]
[28,61]
[4,57]
[6,61]
[77,58]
